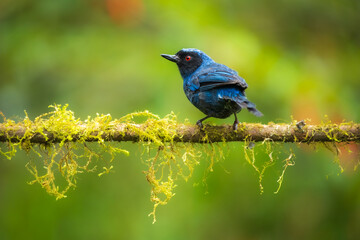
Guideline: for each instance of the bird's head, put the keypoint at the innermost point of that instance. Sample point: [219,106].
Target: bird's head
[188,60]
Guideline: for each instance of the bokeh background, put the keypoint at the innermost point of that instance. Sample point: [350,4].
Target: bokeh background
[300,59]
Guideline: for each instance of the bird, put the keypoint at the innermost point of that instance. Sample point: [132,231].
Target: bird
[215,89]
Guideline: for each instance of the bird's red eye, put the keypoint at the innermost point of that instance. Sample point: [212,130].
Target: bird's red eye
[187,58]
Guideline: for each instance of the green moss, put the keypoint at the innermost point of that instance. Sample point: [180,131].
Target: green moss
[64,159]
[167,161]
[331,131]
[56,165]
[62,162]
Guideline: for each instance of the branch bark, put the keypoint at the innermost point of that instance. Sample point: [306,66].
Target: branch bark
[349,132]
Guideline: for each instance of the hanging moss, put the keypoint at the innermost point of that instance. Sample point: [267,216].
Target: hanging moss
[64,157]
[66,152]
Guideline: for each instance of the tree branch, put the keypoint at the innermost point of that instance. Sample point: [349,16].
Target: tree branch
[346,132]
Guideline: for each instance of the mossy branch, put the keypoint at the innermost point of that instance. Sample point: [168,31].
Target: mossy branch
[59,142]
[344,132]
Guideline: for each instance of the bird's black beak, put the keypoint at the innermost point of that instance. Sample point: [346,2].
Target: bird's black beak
[172,58]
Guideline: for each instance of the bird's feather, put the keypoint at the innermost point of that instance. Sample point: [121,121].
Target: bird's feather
[213,77]
[244,103]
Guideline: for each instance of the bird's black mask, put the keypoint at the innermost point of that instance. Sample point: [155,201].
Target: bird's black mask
[187,62]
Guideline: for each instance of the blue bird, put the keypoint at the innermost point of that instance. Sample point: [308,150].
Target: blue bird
[213,88]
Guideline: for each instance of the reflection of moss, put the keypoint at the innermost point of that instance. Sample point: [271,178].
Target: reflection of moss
[66,153]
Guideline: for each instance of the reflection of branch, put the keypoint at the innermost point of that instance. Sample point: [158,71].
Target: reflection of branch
[346,132]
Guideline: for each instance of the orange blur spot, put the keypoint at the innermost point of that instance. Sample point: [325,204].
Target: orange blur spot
[125,12]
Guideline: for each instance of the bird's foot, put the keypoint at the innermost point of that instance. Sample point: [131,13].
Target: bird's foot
[235,125]
[201,126]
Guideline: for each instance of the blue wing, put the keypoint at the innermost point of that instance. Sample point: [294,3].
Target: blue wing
[219,76]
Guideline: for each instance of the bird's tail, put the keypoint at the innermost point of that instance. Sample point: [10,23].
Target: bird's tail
[245,103]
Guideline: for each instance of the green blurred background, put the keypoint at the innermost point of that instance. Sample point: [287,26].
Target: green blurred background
[300,58]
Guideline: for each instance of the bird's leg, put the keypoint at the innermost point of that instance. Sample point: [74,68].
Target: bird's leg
[236,122]
[199,122]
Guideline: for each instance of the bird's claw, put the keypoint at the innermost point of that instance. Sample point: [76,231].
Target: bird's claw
[235,125]
[199,123]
